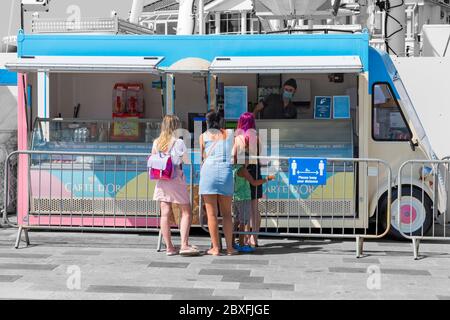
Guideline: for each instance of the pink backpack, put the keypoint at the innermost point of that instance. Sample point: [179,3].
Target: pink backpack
[160,166]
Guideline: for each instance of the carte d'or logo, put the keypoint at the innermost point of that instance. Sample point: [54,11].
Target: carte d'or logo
[90,186]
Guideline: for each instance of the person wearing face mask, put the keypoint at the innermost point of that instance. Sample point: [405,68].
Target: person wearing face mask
[279,106]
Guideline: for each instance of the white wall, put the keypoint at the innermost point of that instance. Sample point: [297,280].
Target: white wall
[95,91]
[426,80]
[249,80]
[189,96]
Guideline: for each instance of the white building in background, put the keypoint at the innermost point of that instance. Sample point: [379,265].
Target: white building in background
[232,17]
[418,13]
[220,17]
[241,17]
[263,16]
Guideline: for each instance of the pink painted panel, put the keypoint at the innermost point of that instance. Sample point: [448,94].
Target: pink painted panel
[22,144]
[77,221]
[44,184]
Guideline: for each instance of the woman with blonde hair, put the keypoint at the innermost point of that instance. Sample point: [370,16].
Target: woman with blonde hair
[173,191]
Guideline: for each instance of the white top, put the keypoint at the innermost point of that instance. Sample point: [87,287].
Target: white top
[177,152]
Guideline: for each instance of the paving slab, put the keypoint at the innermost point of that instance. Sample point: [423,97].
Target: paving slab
[223,272]
[28,266]
[9,278]
[127,266]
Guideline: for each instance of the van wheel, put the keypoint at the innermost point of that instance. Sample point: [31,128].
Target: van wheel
[416,212]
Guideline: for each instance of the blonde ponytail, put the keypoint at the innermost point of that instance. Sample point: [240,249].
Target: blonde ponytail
[169,124]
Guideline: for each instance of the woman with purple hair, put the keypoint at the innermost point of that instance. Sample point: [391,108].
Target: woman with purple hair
[247,146]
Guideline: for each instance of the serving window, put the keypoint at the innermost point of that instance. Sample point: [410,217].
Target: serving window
[388,121]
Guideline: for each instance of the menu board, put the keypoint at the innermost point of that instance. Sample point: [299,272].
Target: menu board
[322,107]
[235,102]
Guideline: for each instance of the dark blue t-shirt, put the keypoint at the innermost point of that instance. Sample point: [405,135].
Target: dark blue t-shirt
[274,108]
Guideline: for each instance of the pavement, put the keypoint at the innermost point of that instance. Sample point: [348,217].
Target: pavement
[59,265]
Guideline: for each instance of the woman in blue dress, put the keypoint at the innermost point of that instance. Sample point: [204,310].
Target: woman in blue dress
[216,179]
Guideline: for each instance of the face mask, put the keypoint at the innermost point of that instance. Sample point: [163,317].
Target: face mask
[288,95]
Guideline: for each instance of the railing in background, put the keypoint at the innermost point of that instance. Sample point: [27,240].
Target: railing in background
[8,144]
[112,25]
[378,43]
[422,208]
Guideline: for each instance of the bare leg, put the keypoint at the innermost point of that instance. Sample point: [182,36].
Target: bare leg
[235,227]
[255,222]
[166,212]
[242,236]
[211,212]
[246,238]
[225,209]
[185,225]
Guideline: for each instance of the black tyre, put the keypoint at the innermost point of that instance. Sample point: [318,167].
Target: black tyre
[416,213]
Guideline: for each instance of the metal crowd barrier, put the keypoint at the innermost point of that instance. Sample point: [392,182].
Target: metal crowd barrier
[339,209]
[8,144]
[427,201]
[78,191]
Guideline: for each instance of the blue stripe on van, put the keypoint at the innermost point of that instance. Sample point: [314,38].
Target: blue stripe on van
[176,47]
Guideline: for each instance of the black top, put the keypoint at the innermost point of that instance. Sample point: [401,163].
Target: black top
[274,108]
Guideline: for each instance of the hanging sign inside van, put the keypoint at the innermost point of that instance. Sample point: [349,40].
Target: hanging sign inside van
[236,101]
[322,108]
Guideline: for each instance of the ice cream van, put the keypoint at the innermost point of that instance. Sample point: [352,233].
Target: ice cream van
[350,106]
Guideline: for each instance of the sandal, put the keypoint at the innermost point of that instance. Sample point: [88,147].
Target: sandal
[190,251]
[247,249]
[172,253]
[232,253]
[208,253]
[254,244]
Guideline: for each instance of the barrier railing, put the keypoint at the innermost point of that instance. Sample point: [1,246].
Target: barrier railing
[78,191]
[92,25]
[421,211]
[338,209]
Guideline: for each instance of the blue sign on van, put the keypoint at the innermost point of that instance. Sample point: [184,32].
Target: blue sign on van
[307,171]
[322,108]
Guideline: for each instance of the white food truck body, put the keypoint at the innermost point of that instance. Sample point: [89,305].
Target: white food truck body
[191,71]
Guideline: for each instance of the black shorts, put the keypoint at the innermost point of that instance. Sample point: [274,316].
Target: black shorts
[255,172]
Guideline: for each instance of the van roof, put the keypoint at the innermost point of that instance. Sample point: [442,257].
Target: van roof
[207,47]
